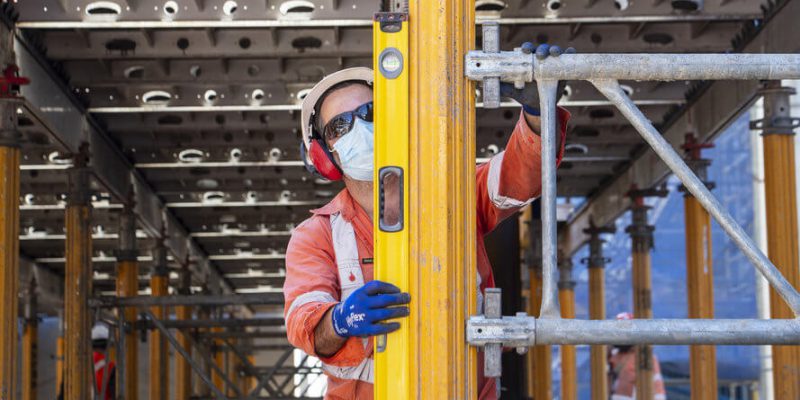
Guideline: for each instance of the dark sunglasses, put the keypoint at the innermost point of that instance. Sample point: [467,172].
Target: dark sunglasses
[341,124]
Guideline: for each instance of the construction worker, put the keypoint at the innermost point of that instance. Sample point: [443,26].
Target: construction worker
[622,371]
[333,305]
[104,369]
[100,337]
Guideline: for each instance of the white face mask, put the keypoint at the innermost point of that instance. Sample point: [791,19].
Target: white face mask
[355,151]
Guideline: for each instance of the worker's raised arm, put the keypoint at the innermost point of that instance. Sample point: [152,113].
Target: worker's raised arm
[513,178]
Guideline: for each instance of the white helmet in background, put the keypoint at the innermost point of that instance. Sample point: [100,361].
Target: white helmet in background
[100,331]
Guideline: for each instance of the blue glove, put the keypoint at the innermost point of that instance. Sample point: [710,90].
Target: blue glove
[529,95]
[360,314]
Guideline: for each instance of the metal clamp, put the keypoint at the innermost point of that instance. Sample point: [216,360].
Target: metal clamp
[492,66]
[493,331]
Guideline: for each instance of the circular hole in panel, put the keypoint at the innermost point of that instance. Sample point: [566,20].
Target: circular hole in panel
[658,38]
[253,70]
[296,8]
[219,119]
[230,8]
[306,42]
[245,43]
[122,45]
[303,93]
[191,156]
[257,95]
[134,72]
[542,38]
[235,155]
[576,148]
[210,96]
[156,97]
[170,119]
[622,5]
[227,137]
[489,6]
[567,93]
[103,9]
[627,89]
[171,8]
[195,71]
[57,158]
[687,5]
[183,43]
[596,38]
[554,5]
[214,197]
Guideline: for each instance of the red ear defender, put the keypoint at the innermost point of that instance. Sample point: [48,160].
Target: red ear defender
[323,161]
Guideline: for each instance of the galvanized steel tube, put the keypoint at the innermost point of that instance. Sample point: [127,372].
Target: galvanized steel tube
[548,97]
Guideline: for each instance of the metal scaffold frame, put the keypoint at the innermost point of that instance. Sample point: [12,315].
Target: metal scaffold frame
[604,71]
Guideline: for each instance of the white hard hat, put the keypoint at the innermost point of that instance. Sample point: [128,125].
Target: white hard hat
[310,101]
[624,316]
[100,332]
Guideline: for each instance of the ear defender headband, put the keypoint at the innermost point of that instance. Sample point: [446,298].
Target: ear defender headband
[322,162]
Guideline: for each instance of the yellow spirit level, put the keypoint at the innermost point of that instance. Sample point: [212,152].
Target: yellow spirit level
[393,352]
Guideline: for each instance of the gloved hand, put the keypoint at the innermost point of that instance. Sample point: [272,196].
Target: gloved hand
[528,96]
[361,313]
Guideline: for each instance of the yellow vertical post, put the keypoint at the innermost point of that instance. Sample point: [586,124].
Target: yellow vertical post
[395,360]
[251,379]
[78,284]
[441,190]
[9,225]
[9,243]
[128,286]
[642,242]
[597,309]
[539,357]
[566,298]
[699,276]
[781,198]
[30,344]
[60,354]
[219,359]
[159,356]
[199,386]
[183,372]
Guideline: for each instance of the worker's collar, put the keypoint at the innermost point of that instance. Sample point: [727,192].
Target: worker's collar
[343,204]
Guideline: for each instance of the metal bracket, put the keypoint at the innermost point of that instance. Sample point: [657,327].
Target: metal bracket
[493,331]
[492,66]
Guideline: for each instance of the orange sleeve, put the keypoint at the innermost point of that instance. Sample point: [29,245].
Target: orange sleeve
[312,288]
[513,178]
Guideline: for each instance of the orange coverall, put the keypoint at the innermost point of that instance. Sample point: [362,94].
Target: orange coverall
[511,180]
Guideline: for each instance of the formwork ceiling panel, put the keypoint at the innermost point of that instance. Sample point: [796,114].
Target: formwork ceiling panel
[202,98]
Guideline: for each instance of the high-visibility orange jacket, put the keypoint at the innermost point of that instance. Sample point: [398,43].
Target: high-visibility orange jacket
[316,279]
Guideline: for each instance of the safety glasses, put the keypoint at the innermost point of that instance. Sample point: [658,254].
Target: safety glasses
[341,124]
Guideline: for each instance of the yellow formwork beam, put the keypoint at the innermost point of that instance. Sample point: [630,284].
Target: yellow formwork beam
[781,199]
[700,290]
[78,370]
[60,358]
[442,197]
[30,346]
[395,354]
[159,355]
[9,266]
[566,298]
